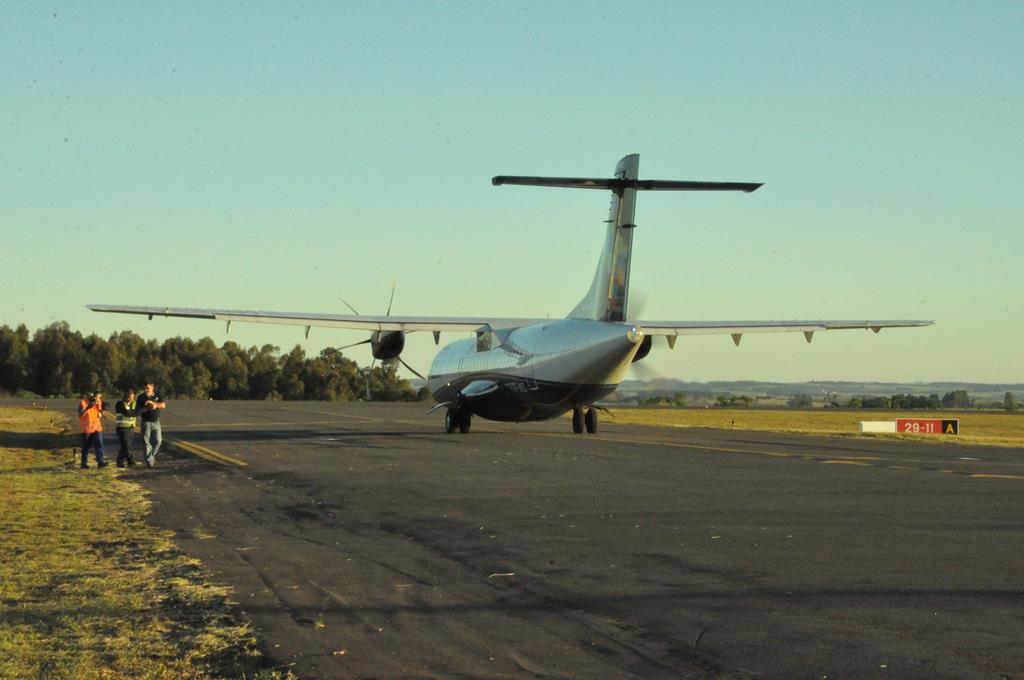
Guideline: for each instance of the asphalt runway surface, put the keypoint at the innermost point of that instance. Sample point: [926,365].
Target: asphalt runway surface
[363,542]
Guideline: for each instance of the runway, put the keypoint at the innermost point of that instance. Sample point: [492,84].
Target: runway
[364,542]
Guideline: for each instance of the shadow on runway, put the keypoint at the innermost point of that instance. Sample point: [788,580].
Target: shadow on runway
[37,441]
[172,462]
[524,601]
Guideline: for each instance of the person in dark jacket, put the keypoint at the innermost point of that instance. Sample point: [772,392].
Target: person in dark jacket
[149,405]
[125,410]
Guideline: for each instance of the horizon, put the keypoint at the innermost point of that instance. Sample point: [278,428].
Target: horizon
[279,158]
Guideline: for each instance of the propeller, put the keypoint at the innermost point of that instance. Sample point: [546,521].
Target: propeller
[645,372]
[641,371]
[411,369]
[379,338]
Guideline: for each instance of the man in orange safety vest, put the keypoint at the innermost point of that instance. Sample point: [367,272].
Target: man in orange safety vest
[90,416]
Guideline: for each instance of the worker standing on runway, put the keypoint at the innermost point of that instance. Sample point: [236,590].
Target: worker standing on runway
[125,424]
[90,417]
[148,406]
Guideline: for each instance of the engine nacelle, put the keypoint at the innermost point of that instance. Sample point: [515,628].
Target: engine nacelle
[387,344]
[645,348]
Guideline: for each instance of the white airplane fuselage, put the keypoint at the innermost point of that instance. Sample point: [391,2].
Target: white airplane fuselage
[534,372]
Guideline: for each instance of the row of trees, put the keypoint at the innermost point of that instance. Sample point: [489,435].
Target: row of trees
[58,362]
[955,399]
[901,402]
[677,399]
[958,399]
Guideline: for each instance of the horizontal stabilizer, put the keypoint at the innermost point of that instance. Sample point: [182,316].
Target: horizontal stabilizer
[682,185]
[617,185]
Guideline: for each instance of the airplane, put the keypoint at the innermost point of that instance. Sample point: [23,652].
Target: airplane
[536,369]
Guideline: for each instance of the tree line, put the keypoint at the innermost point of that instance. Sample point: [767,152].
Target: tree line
[957,399]
[58,362]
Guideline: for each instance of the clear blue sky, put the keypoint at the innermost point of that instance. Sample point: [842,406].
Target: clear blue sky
[266,156]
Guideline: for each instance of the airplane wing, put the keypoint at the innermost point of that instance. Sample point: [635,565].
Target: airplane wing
[357,322]
[738,328]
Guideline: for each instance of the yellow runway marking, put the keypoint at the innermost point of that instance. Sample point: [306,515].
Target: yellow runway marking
[697,447]
[201,451]
[982,475]
[208,454]
[861,461]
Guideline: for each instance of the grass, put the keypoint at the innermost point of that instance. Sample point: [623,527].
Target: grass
[87,588]
[991,429]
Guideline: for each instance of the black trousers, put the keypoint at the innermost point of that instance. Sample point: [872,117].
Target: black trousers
[124,435]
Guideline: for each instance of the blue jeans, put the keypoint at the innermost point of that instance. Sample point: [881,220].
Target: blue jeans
[95,440]
[152,438]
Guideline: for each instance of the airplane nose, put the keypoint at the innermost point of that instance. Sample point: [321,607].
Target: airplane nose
[635,335]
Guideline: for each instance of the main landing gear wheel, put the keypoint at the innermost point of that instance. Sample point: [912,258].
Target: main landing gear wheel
[577,420]
[457,419]
[591,420]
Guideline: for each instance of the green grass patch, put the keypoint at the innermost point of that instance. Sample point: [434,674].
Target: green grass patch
[992,429]
[87,588]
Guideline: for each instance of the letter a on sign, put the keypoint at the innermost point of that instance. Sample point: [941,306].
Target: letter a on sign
[950,427]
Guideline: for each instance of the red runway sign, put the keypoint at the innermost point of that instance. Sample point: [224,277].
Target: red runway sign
[927,426]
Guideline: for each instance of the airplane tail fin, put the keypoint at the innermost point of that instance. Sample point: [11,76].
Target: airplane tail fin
[608,295]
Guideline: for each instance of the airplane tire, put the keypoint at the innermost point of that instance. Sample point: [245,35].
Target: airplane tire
[451,420]
[591,420]
[464,422]
[577,420]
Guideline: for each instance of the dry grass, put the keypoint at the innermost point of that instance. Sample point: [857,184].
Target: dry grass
[992,429]
[87,589]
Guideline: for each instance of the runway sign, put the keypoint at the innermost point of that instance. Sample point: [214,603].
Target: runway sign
[927,426]
[877,426]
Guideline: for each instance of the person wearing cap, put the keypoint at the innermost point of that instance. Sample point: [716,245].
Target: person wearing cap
[125,410]
[90,420]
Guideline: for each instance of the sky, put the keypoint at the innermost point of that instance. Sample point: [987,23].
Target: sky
[281,156]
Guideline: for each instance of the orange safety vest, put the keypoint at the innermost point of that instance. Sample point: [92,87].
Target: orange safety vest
[89,416]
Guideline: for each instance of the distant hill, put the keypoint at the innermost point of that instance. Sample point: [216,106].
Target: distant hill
[821,390]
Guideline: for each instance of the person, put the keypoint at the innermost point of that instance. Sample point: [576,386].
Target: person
[125,410]
[148,406]
[90,419]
